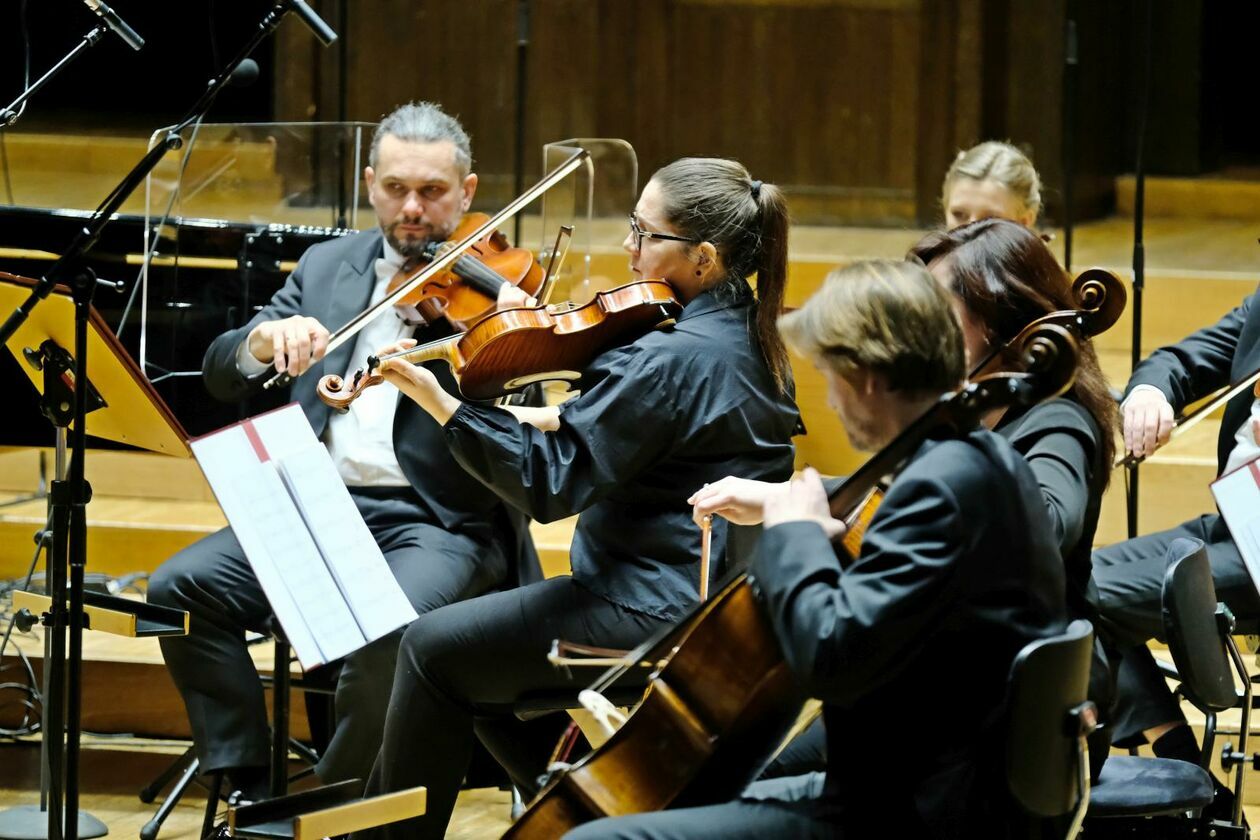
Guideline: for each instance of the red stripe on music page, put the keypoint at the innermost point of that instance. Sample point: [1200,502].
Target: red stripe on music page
[256,442]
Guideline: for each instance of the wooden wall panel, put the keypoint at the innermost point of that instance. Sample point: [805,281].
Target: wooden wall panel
[855,106]
[849,104]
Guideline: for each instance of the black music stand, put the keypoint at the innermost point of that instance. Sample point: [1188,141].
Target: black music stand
[122,406]
[70,497]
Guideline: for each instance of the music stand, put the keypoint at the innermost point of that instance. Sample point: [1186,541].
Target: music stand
[122,406]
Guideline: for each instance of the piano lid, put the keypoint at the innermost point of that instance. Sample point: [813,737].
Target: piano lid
[42,229]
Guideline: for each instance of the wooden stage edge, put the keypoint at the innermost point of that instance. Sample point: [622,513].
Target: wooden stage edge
[115,769]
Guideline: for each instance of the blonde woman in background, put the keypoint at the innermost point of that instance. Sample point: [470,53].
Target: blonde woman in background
[993,180]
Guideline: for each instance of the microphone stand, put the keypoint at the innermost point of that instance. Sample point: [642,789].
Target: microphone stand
[70,497]
[1070,73]
[523,9]
[343,59]
[1139,248]
[9,115]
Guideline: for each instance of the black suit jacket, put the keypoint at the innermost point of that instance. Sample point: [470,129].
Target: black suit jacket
[1061,443]
[1205,361]
[332,283]
[959,569]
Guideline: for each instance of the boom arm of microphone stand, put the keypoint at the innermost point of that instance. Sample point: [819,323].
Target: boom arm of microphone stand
[9,115]
[91,232]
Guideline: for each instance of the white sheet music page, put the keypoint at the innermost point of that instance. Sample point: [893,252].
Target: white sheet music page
[352,555]
[240,464]
[1238,499]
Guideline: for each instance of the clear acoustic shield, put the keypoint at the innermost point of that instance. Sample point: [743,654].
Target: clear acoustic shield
[595,202]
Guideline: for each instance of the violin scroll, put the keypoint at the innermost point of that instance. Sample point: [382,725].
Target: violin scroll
[333,391]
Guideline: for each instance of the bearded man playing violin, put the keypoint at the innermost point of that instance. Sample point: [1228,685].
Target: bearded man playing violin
[445,535]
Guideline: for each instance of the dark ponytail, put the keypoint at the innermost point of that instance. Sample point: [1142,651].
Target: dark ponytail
[716,200]
[772,262]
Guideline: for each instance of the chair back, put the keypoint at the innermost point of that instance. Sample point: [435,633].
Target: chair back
[1048,684]
[1195,633]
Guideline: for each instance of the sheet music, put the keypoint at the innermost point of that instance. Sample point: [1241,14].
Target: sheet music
[1238,499]
[351,554]
[320,568]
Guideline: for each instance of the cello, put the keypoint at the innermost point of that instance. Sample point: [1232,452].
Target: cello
[721,697]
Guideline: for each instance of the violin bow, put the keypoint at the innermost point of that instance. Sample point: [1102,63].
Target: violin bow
[706,542]
[443,260]
[1189,421]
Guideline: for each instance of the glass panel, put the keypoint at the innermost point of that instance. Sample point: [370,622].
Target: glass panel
[243,201]
[595,201]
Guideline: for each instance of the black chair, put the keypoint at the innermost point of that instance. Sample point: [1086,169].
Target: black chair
[1164,797]
[184,770]
[1047,764]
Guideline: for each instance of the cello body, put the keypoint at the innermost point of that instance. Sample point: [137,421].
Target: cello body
[710,719]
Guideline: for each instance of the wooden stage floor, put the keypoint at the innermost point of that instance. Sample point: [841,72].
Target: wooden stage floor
[112,776]
[114,771]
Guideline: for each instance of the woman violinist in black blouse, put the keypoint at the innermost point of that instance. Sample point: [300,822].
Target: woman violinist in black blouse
[710,396]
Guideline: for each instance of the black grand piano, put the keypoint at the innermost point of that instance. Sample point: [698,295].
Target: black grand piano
[207,276]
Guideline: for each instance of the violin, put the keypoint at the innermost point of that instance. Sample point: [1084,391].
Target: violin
[512,348]
[444,258]
[468,290]
[723,698]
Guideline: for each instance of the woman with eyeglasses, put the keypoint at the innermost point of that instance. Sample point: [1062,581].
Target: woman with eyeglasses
[706,397]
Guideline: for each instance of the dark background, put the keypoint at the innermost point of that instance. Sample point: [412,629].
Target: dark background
[112,88]
[856,107]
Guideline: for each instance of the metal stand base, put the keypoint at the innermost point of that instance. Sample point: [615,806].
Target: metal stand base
[30,822]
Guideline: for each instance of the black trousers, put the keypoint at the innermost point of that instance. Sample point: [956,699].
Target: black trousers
[1129,576]
[787,807]
[460,671]
[211,666]
[806,753]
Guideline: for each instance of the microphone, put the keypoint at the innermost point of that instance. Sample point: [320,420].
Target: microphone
[114,22]
[313,21]
[244,74]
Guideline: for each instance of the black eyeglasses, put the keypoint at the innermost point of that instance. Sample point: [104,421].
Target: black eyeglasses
[640,234]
